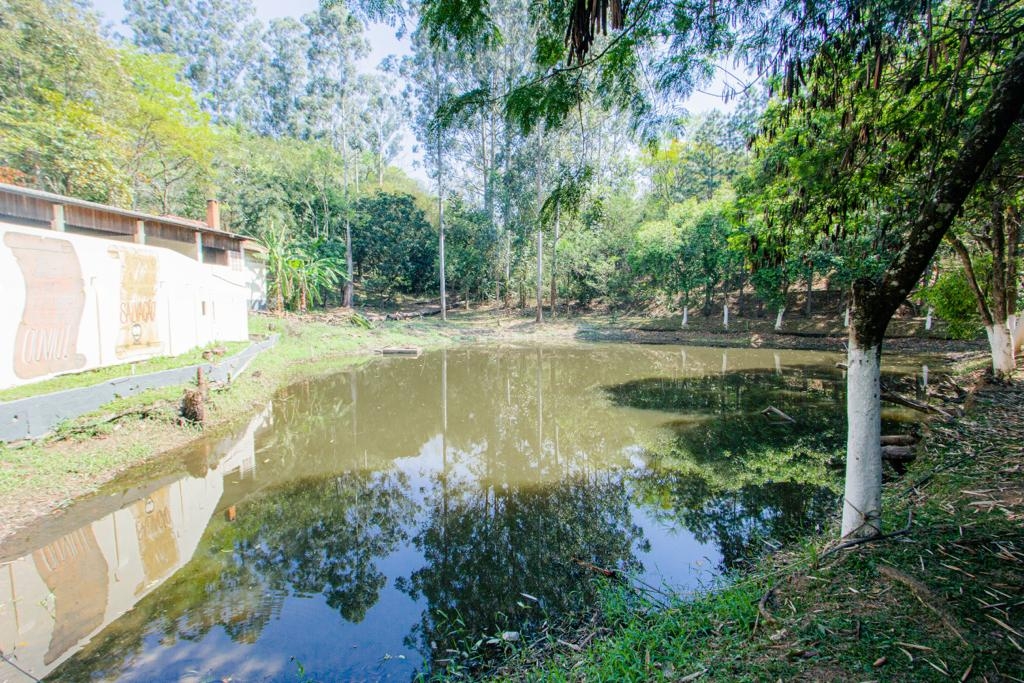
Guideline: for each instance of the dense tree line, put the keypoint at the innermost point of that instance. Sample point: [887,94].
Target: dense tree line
[205,101]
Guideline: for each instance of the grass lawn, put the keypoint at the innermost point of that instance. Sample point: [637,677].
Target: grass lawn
[90,377]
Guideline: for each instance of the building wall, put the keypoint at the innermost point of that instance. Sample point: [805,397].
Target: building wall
[73,303]
[255,274]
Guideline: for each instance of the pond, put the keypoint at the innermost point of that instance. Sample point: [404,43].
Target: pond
[366,523]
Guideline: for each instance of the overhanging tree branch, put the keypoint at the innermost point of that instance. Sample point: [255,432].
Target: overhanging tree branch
[936,214]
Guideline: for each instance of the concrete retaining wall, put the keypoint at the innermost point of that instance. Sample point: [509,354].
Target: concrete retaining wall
[30,418]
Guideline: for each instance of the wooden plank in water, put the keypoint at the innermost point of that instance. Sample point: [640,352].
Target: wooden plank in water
[413,351]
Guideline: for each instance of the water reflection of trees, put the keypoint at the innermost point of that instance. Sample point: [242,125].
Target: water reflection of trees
[731,475]
[310,537]
[484,547]
[533,470]
[324,537]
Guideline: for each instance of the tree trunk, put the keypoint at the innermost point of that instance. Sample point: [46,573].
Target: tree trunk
[540,252]
[441,265]
[862,499]
[686,316]
[440,232]
[1000,343]
[875,302]
[1018,336]
[810,288]
[508,266]
[554,250]
[349,280]
[540,275]
[778,318]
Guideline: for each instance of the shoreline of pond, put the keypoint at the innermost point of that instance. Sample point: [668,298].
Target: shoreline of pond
[43,478]
[948,577]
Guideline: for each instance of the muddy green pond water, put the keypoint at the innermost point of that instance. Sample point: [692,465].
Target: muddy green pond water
[365,523]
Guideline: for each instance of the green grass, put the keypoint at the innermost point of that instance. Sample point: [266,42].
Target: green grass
[90,377]
[87,451]
[921,606]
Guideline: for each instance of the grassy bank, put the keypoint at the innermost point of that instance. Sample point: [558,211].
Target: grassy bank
[42,477]
[90,377]
[941,599]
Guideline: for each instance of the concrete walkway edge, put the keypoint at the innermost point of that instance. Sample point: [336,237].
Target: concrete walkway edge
[33,417]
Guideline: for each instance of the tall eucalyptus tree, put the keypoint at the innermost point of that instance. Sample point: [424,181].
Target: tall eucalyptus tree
[216,40]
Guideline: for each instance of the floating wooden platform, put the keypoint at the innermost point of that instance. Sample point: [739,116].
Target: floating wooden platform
[413,351]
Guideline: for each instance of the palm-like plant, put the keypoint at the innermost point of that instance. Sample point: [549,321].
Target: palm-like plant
[313,273]
[279,245]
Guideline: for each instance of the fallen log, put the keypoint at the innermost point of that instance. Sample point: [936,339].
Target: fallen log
[898,453]
[772,410]
[899,439]
[899,399]
[609,573]
[401,351]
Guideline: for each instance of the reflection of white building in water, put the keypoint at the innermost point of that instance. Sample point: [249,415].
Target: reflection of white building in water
[56,597]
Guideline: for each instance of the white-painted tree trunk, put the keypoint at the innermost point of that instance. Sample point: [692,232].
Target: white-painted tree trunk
[928,319]
[778,318]
[778,365]
[1000,342]
[686,316]
[1013,323]
[862,499]
[725,316]
[846,317]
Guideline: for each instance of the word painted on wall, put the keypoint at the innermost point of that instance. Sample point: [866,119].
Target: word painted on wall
[47,337]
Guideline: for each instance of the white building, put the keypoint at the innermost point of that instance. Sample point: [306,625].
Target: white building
[86,285]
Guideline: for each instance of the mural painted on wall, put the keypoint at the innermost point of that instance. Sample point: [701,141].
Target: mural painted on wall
[47,337]
[137,330]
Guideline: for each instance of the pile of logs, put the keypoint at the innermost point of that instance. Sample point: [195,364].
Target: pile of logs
[898,450]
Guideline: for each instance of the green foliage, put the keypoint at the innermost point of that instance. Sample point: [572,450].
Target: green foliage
[955,303]
[63,97]
[471,248]
[394,247]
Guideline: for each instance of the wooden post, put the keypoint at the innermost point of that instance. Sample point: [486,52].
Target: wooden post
[57,222]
